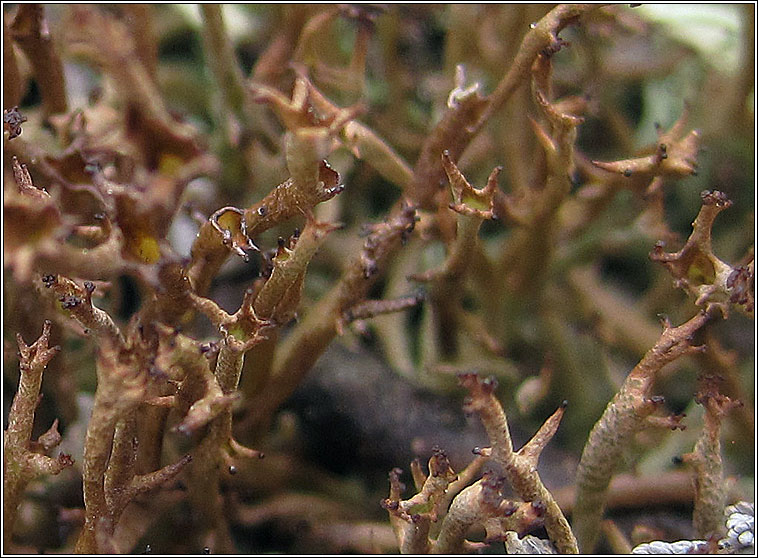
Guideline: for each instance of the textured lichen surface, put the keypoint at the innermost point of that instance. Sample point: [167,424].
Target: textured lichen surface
[258,257]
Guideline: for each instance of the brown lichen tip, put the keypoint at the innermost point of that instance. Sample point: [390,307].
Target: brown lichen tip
[38,354]
[290,199]
[675,155]
[467,199]
[714,197]
[380,238]
[24,181]
[476,385]
[697,270]
[78,301]
[12,120]
[492,491]
[396,486]
[484,452]
[278,298]
[439,464]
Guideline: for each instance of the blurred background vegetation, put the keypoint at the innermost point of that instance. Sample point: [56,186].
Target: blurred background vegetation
[372,403]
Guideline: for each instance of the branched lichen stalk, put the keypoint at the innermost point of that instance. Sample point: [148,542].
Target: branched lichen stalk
[78,301]
[520,468]
[623,417]
[710,495]
[412,519]
[297,354]
[478,504]
[121,385]
[20,463]
[462,122]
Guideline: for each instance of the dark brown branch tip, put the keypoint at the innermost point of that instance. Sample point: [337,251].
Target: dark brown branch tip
[12,120]
[715,197]
[554,47]
[389,505]
[539,508]
[489,384]
[70,301]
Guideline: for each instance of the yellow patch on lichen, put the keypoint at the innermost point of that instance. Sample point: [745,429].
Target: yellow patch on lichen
[169,164]
[229,220]
[237,332]
[146,248]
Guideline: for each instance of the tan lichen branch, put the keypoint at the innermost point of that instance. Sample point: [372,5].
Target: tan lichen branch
[24,181]
[78,301]
[233,229]
[536,211]
[520,468]
[122,484]
[300,350]
[199,398]
[262,310]
[473,207]
[697,270]
[222,233]
[624,416]
[412,518]
[482,504]
[465,477]
[121,386]
[278,298]
[24,459]
[706,460]
[222,60]
[288,200]
[468,115]
[674,156]
[452,135]
[364,142]
[371,308]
